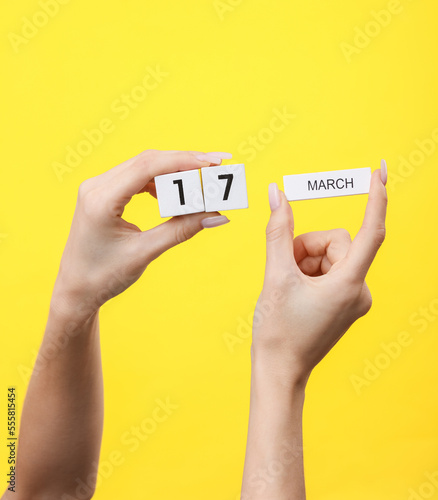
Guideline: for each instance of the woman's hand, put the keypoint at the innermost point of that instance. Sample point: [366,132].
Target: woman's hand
[105,254]
[314,287]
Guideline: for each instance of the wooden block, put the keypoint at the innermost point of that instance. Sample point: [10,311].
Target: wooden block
[179,193]
[224,187]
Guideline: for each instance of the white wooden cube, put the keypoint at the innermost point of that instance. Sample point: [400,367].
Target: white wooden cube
[179,193]
[224,187]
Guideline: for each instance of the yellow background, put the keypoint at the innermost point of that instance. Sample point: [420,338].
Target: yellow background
[230,64]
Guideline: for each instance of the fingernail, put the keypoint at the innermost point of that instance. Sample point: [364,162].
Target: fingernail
[209,158]
[219,220]
[274,196]
[224,156]
[383,171]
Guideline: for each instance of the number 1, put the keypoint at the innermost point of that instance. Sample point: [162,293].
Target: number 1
[229,178]
[181,191]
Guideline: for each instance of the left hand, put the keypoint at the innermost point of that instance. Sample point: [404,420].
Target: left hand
[314,287]
[104,253]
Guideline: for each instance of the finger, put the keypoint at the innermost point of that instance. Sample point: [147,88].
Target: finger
[279,236]
[149,164]
[221,155]
[150,188]
[321,248]
[110,174]
[215,161]
[312,265]
[215,158]
[176,230]
[372,232]
[217,154]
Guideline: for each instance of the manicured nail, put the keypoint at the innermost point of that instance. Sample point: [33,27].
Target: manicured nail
[219,220]
[274,196]
[209,158]
[383,171]
[224,156]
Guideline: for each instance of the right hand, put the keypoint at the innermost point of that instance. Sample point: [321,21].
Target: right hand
[314,287]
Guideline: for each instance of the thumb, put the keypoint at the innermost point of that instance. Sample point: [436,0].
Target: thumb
[279,236]
[176,230]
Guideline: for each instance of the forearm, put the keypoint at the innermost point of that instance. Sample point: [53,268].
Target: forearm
[274,454]
[62,418]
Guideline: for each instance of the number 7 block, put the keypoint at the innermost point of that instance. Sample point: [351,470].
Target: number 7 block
[224,187]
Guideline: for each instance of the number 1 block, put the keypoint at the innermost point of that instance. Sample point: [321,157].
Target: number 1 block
[179,193]
[224,187]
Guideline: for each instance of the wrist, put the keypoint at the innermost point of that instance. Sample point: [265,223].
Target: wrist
[72,303]
[279,375]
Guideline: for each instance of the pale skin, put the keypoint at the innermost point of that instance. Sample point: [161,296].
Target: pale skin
[62,418]
[315,281]
[315,286]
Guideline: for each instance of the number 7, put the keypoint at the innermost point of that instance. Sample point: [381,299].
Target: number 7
[229,178]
